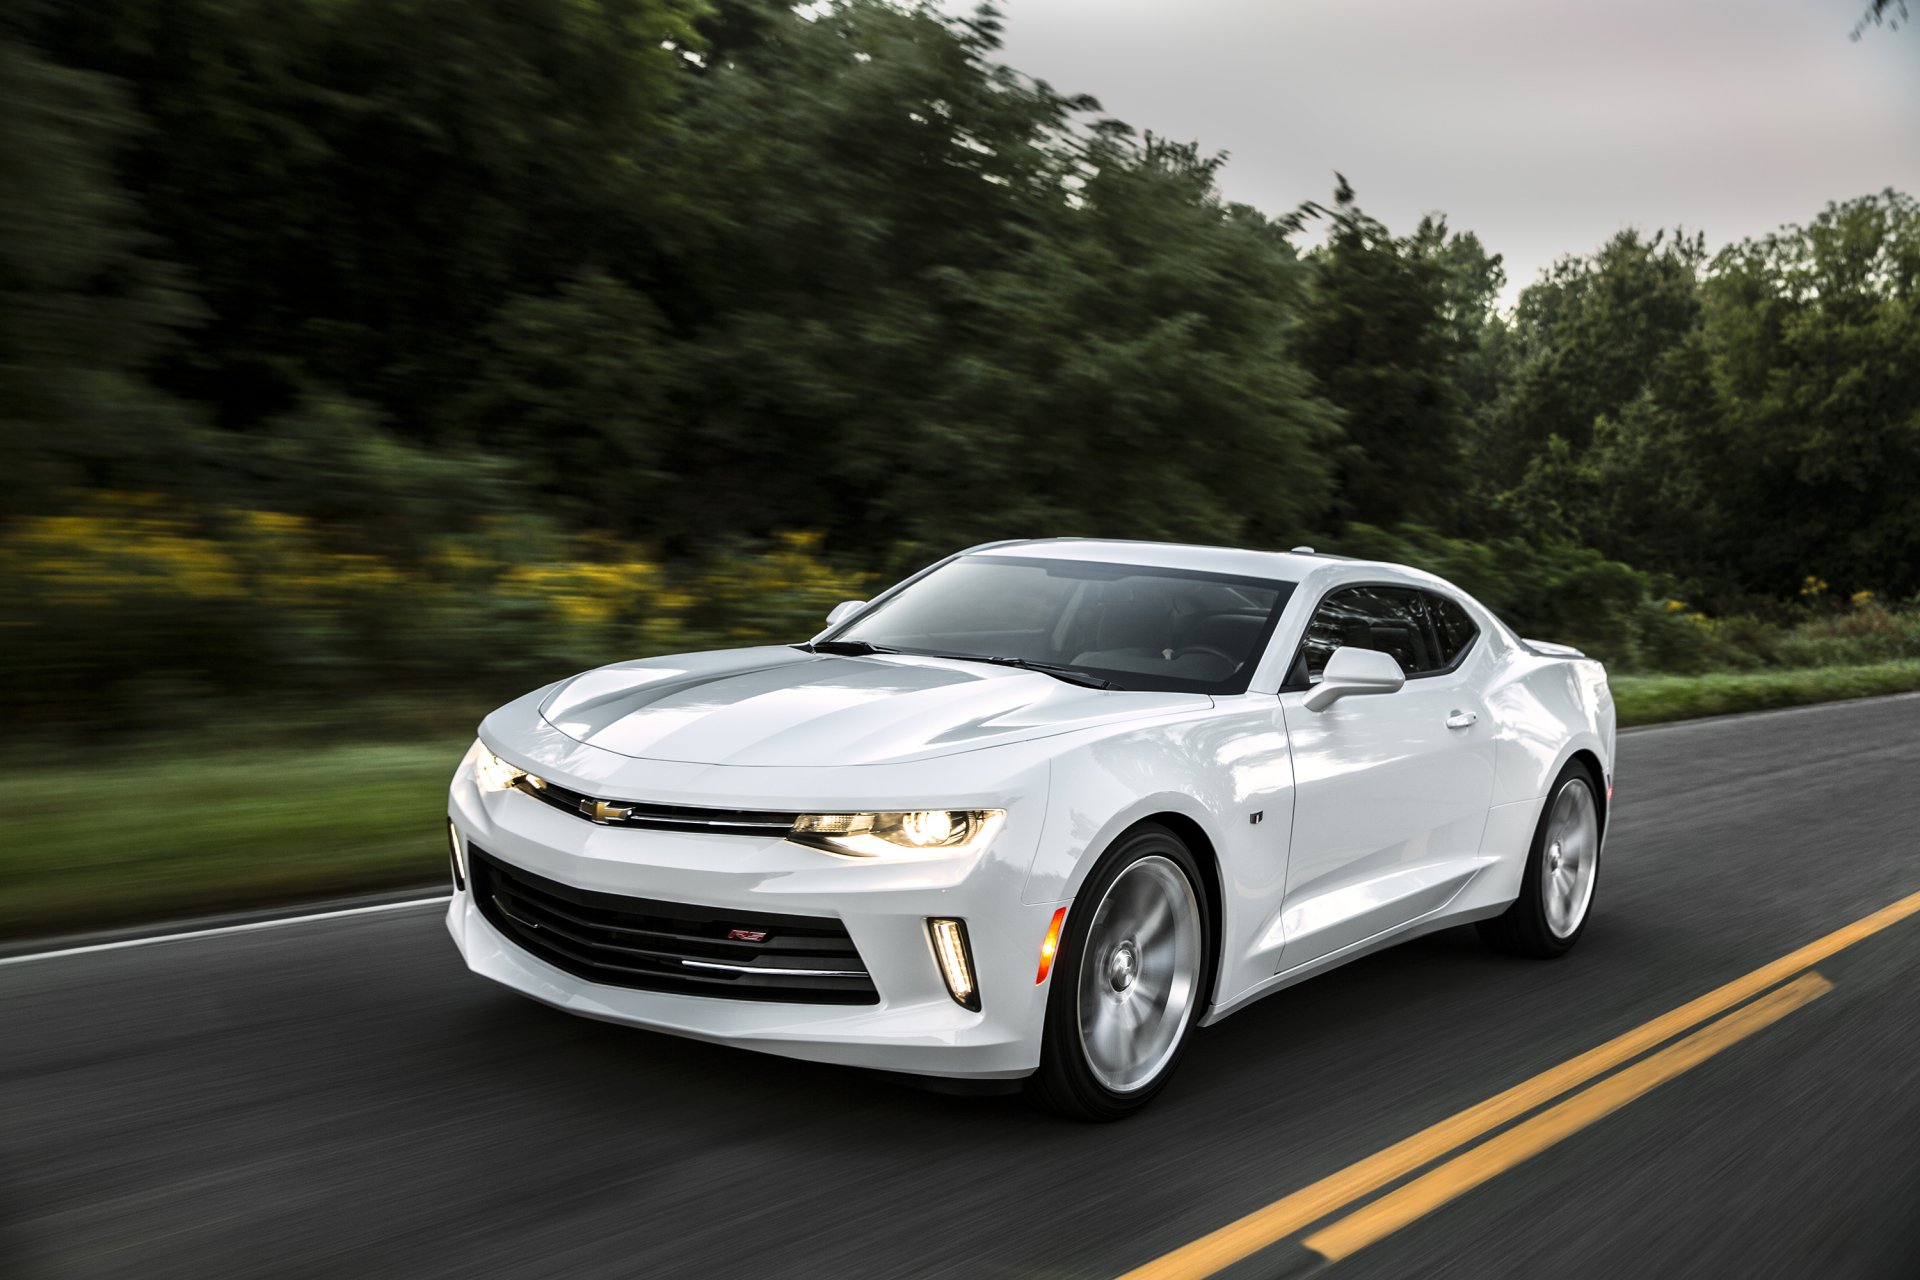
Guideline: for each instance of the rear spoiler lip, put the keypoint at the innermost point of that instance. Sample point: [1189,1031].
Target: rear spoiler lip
[1548,649]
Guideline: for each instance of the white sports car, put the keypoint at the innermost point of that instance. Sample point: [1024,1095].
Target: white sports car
[1036,812]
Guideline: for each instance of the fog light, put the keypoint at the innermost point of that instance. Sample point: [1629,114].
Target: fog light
[453,851]
[956,960]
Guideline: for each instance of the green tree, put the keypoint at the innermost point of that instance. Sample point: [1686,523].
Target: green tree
[1383,329]
[85,306]
[357,186]
[577,389]
[1472,280]
[849,174]
[941,307]
[1138,377]
[1778,435]
[1585,339]
[1816,337]
[1644,488]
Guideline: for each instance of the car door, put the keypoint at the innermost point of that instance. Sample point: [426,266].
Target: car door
[1390,790]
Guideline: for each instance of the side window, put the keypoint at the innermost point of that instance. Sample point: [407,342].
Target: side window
[1454,627]
[1392,620]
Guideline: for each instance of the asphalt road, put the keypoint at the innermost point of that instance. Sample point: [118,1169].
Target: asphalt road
[340,1098]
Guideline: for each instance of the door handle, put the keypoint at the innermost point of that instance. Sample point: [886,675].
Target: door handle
[1461,720]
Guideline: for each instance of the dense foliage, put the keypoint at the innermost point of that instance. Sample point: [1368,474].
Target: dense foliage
[1738,422]
[389,310]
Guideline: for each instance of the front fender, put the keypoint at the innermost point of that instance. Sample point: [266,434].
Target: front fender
[1066,856]
[1229,775]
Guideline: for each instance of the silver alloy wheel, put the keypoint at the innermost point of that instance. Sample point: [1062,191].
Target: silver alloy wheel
[1139,974]
[1572,856]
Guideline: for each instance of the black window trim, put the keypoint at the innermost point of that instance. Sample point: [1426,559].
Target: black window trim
[1454,663]
[1287,683]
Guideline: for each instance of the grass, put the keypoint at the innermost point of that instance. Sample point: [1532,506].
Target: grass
[149,835]
[1656,699]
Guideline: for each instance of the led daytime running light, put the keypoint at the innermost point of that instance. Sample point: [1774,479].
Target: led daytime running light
[459,861]
[956,961]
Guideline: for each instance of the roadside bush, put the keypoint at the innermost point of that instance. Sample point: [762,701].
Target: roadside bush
[1866,633]
[132,613]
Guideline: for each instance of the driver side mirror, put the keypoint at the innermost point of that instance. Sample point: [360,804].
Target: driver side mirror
[844,610]
[1351,672]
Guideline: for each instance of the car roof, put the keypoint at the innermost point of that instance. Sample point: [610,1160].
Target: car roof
[1314,572]
[1282,566]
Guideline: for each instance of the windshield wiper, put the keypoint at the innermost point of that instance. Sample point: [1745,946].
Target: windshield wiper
[844,646]
[1057,670]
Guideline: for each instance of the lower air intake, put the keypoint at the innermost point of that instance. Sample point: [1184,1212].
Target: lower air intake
[649,945]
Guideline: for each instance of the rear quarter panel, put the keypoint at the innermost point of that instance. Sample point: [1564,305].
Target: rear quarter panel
[1547,709]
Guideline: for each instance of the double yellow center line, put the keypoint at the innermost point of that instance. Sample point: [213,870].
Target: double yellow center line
[1291,1214]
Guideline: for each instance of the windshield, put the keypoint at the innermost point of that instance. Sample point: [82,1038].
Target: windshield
[1135,627]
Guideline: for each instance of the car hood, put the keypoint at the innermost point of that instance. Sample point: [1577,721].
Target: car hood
[780,706]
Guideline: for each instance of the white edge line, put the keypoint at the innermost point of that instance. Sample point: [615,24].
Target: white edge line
[250,927]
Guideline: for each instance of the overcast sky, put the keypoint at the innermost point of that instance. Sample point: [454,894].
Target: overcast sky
[1543,125]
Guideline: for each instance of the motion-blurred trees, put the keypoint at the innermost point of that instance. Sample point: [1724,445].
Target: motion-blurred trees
[576,387]
[937,305]
[1136,360]
[356,186]
[85,305]
[698,271]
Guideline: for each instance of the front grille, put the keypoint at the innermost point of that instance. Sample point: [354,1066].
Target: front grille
[658,817]
[648,945]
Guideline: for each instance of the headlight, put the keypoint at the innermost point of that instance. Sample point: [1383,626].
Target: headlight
[879,835]
[491,773]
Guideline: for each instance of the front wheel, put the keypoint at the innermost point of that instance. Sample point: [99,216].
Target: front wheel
[1563,866]
[1129,983]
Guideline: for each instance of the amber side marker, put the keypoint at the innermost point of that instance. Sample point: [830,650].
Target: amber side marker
[1049,945]
[1290,1214]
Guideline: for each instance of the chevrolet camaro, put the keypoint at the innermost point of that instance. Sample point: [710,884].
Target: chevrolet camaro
[1036,813]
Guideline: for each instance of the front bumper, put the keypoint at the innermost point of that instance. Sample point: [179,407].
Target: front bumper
[915,1026]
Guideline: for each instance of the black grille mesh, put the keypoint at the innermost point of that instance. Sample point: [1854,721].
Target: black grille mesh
[666,946]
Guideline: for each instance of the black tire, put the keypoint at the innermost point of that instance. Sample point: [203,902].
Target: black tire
[1524,929]
[1066,1082]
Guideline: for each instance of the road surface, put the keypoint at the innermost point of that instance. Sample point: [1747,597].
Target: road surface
[340,1098]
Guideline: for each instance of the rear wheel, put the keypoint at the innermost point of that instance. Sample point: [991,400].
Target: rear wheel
[1129,983]
[1563,867]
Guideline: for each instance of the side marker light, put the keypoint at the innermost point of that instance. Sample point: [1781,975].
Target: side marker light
[1050,945]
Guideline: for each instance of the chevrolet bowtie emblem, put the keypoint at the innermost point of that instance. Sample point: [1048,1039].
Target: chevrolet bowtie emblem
[601,811]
